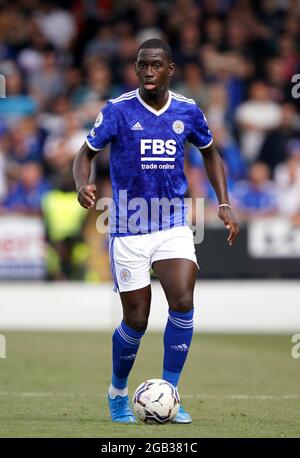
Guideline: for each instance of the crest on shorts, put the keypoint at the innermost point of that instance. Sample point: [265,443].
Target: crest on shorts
[178,126]
[125,275]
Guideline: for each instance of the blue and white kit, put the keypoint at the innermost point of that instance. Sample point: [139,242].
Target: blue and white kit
[147,163]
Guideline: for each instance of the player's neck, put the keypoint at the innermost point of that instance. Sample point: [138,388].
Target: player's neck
[155,101]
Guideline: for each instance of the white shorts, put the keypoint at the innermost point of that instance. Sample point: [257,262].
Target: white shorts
[131,257]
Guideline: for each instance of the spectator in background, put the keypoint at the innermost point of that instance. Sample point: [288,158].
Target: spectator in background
[289,55]
[76,87]
[57,24]
[255,197]
[288,185]
[288,173]
[2,173]
[287,178]
[129,78]
[26,194]
[189,40]
[193,85]
[217,110]
[214,32]
[274,147]
[99,80]
[229,151]
[61,148]
[104,45]
[27,141]
[18,103]
[49,81]
[30,58]
[255,118]
[277,79]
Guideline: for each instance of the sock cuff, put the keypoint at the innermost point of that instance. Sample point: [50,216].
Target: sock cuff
[118,382]
[182,319]
[129,335]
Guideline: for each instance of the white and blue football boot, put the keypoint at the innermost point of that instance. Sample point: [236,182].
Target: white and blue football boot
[120,410]
[182,417]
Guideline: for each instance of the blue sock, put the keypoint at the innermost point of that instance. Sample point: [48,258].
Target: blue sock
[126,342]
[177,339]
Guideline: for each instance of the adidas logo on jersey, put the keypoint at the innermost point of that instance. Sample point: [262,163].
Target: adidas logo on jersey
[137,126]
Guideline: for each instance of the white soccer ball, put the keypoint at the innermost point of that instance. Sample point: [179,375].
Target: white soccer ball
[156,401]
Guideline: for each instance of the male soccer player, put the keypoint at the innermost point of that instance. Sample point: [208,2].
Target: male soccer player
[147,129]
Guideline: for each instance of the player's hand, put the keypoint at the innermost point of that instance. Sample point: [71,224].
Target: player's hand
[226,215]
[86,195]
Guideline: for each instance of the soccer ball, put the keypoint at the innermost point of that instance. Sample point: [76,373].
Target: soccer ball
[156,401]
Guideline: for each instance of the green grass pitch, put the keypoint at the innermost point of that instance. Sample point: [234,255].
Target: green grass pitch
[54,385]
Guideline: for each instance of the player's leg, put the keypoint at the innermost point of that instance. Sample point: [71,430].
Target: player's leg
[126,338]
[132,277]
[175,264]
[125,344]
[177,277]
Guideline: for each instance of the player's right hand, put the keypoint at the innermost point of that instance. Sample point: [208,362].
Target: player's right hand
[86,195]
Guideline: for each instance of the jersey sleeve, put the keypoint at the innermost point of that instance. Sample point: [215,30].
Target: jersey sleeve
[200,135]
[104,129]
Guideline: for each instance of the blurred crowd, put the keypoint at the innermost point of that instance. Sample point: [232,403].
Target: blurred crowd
[62,60]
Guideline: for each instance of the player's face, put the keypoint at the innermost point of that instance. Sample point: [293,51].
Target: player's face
[153,70]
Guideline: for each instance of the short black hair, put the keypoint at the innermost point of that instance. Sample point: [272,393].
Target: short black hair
[156,43]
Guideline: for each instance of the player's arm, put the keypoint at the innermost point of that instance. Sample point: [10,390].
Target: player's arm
[86,193]
[215,171]
[104,130]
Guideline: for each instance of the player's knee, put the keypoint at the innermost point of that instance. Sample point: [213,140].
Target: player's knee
[138,324]
[182,305]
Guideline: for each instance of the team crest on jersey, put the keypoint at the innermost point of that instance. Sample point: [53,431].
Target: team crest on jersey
[99,119]
[125,275]
[178,127]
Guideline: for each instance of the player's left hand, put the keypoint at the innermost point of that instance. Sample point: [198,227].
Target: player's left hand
[226,215]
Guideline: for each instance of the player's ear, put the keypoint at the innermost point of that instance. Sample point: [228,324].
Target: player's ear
[136,68]
[171,69]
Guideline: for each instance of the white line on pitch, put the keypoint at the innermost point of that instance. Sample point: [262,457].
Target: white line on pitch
[183,396]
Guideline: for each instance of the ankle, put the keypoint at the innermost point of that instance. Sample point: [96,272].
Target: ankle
[113,392]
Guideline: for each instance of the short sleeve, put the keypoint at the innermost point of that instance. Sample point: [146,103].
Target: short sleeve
[104,130]
[200,134]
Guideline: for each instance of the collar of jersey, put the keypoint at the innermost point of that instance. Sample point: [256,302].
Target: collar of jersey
[156,112]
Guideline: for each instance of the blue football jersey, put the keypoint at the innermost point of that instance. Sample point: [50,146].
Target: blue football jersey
[147,159]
